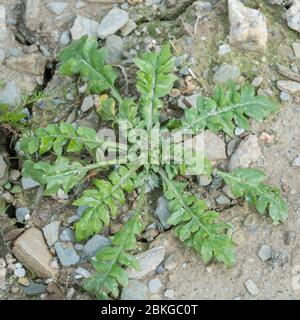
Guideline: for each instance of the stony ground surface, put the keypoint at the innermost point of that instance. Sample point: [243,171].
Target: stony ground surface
[213,44]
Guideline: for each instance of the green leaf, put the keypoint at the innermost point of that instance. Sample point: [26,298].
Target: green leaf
[248,182]
[83,57]
[228,108]
[154,81]
[111,261]
[196,225]
[103,201]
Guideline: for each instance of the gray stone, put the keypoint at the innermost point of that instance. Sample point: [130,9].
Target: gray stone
[296,162]
[96,243]
[128,28]
[204,180]
[11,94]
[67,235]
[248,27]
[256,82]
[32,14]
[3,272]
[51,232]
[114,46]
[83,26]
[57,7]
[134,291]
[224,49]
[214,146]
[73,219]
[15,52]
[81,210]
[3,168]
[162,212]
[87,104]
[34,289]
[2,55]
[238,131]
[293,16]
[149,261]
[66,254]
[3,29]
[19,272]
[28,183]
[288,86]
[265,252]
[191,101]
[82,272]
[169,294]
[21,214]
[14,175]
[65,38]
[285,96]
[223,200]
[296,48]
[251,287]
[154,285]
[247,153]
[112,22]
[226,72]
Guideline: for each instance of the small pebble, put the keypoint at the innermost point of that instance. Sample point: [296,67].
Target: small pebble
[154,285]
[251,287]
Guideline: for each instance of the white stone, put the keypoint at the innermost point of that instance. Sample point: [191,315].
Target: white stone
[251,287]
[112,22]
[293,16]
[224,49]
[296,48]
[87,104]
[248,27]
[51,232]
[84,26]
[288,86]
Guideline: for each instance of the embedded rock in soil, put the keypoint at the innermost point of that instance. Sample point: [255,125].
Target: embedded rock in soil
[248,27]
[293,16]
[3,170]
[51,232]
[114,46]
[31,249]
[226,72]
[83,26]
[66,254]
[32,14]
[288,86]
[112,22]
[135,290]
[96,243]
[149,261]
[162,212]
[247,153]
[10,94]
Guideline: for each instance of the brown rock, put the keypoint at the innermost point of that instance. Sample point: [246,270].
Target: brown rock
[31,250]
[33,63]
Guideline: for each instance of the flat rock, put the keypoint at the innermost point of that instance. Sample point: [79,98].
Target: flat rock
[296,162]
[128,28]
[226,72]
[34,289]
[248,27]
[32,14]
[247,153]
[31,249]
[265,252]
[96,243]
[51,232]
[251,287]
[112,22]
[10,94]
[293,16]
[67,235]
[66,254]
[134,291]
[84,26]
[149,261]
[87,103]
[296,48]
[155,285]
[214,146]
[289,86]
